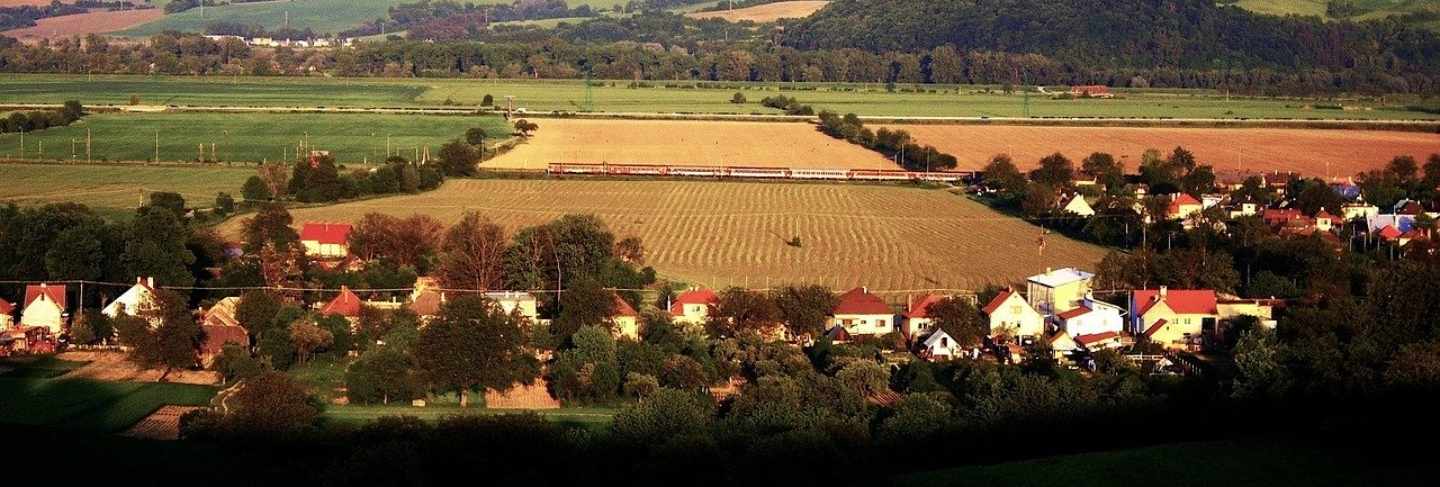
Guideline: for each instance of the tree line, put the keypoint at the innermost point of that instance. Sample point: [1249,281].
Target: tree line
[896,144]
[30,121]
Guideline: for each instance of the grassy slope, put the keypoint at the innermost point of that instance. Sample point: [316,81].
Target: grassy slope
[1229,463]
[114,190]
[1368,9]
[351,138]
[617,97]
[106,407]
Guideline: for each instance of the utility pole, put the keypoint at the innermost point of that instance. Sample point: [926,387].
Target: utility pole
[22,144]
[157,146]
[87,144]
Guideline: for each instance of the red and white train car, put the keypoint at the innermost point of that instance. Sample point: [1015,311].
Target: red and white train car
[742,172]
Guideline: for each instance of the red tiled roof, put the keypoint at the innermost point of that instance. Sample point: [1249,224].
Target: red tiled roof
[1324,215]
[347,304]
[326,233]
[216,337]
[1086,340]
[5,307]
[56,293]
[698,296]
[920,308]
[1073,313]
[1182,199]
[623,308]
[994,304]
[1182,301]
[1149,332]
[1388,233]
[859,301]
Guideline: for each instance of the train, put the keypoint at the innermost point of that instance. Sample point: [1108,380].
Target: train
[744,172]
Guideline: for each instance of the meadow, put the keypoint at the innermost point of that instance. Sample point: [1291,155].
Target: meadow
[322,16]
[115,190]
[76,404]
[247,137]
[681,97]
[721,234]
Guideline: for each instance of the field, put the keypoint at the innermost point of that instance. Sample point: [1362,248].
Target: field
[590,418]
[78,404]
[249,137]
[732,233]
[683,97]
[114,190]
[1316,152]
[95,22]
[1236,463]
[761,144]
[322,16]
[1363,9]
[768,12]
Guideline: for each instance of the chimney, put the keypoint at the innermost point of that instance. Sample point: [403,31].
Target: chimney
[1163,291]
[150,282]
[1048,270]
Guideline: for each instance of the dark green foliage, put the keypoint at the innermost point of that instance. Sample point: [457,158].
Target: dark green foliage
[472,346]
[458,159]
[383,375]
[255,190]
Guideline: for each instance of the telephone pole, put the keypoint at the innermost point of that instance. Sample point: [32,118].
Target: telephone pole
[157,146]
[87,144]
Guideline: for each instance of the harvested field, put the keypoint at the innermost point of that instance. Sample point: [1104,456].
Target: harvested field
[732,233]
[163,424]
[769,12]
[1309,151]
[97,22]
[763,144]
[113,367]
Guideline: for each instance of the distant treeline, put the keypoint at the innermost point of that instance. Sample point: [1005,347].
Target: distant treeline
[896,144]
[42,119]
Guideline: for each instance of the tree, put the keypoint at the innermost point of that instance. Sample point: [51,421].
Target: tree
[257,311]
[487,101]
[407,242]
[162,333]
[255,190]
[864,376]
[72,111]
[472,254]
[1002,175]
[79,252]
[474,345]
[475,136]
[741,311]
[960,319]
[270,225]
[307,337]
[590,369]
[584,303]
[235,362]
[168,201]
[666,414]
[155,247]
[525,127]
[640,385]
[738,99]
[1181,160]
[458,159]
[1260,374]
[381,375]
[917,417]
[631,250]
[1405,169]
[224,203]
[1055,170]
[1106,171]
[276,176]
[683,373]
[271,404]
[1040,199]
[804,309]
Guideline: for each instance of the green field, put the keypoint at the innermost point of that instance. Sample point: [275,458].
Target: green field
[590,418]
[1363,9]
[115,190]
[617,96]
[322,16]
[1240,463]
[76,404]
[246,137]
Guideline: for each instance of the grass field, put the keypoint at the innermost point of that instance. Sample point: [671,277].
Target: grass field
[590,418]
[29,398]
[114,190]
[248,137]
[1316,152]
[323,16]
[761,144]
[1239,463]
[732,233]
[616,96]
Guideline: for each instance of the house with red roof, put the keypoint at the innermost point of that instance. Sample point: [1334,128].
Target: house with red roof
[1174,318]
[861,313]
[917,315]
[1183,205]
[138,297]
[625,319]
[1098,341]
[217,337]
[1091,317]
[45,307]
[693,306]
[345,304]
[326,240]
[7,314]
[1009,314]
[1277,217]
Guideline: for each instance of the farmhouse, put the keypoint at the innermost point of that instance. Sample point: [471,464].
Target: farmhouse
[1092,317]
[1076,205]
[138,297]
[1173,318]
[862,313]
[222,313]
[346,304]
[1183,205]
[917,315]
[326,240]
[45,307]
[693,306]
[939,346]
[625,320]
[1010,315]
[1057,290]
[221,329]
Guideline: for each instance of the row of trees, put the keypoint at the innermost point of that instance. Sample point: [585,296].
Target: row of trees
[42,119]
[896,144]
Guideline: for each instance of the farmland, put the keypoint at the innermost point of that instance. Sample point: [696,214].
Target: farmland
[1310,151]
[252,137]
[680,97]
[95,22]
[114,190]
[768,12]
[322,16]
[732,233]
[36,400]
[760,144]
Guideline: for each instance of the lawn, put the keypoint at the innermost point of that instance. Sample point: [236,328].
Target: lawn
[247,137]
[115,190]
[590,418]
[1239,463]
[680,97]
[31,396]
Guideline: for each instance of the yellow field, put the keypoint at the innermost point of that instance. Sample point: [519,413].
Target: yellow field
[731,233]
[1314,152]
[663,142]
[768,12]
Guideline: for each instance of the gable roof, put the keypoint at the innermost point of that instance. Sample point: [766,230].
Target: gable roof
[623,308]
[1182,301]
[696,296]
[920,308]
[999,299]
[55,292]
[347,304]
[1086,340]
[1079,311]
[217,336]
[1388,233]
[1182,199]
[935,338]
[838,334]
[223,313]
[326,233]
[859,301]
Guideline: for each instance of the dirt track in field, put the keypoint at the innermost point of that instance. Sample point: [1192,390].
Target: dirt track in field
[96,22]
[662,142]
[769,12]
[1309,151]
[731,233]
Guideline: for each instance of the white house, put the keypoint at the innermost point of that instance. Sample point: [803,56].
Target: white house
[7,314]
[1076,205]
[693,306]
[513,301]
[862,313]
[1091,317]
[138,297]
[940,346]
[1008,311]
[917,315]
[326,240]
[1057,290]
[44,307]
[625,320]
